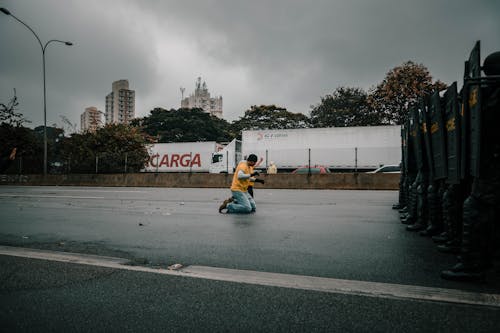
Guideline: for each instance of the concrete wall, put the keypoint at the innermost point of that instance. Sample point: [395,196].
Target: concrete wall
[348,181]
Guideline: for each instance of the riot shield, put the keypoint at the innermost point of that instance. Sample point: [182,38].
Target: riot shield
[453,138]
[404,149]
[488,142]
[423,114]
[411,167]
[472,95]
[437,137]
[415,138]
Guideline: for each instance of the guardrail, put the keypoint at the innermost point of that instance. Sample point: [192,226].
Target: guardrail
[344,181]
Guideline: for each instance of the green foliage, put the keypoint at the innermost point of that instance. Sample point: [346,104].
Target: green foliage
[111,144]
[269,117]
[344,107]
[400,90]
[55,135]
[184,125]
[29,156]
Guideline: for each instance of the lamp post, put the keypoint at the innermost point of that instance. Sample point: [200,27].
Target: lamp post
[44,47]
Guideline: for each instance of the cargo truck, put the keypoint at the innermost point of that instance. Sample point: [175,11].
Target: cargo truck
[362,148]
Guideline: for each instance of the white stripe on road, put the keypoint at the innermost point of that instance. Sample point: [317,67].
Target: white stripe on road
[92,190]
[15,195]
[329,285]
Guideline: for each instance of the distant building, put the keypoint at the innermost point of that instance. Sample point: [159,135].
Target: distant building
[201,99]
[120,104]
[91,119]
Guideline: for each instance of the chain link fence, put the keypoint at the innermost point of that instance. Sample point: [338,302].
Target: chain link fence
[335,159]
[104,162]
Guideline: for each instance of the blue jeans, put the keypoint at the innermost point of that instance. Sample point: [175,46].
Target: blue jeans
[243,203]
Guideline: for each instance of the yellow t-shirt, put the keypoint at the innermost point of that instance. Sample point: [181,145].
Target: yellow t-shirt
[241,184]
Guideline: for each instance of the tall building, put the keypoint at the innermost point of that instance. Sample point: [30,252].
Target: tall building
[120,104]
[201,99]
[91,119]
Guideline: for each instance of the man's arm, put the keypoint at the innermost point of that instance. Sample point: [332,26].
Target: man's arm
[12,155]
[243,175]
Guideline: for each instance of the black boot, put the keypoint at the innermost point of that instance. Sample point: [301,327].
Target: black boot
[466,270]
[421,218]
[435,221]
[475,259]
[431,230]
[463,273]
[441,238]
[415,227]
[452,246]
[407,220]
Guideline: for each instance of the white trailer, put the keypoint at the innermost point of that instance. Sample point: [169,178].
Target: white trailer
[181,156]
[338,148]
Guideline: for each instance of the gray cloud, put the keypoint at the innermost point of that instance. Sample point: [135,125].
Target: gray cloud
[284,52]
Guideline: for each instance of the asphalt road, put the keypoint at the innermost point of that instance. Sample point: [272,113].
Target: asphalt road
[40,296]
[352,235]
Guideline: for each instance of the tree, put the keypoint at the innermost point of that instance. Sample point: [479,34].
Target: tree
[269,117]
[29,148]
[14,135]
[184,125]
[9,115]
[346,106]
[55,136]
[400,90]
[114,145]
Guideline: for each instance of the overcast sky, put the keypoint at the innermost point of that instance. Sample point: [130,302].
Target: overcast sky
[284,52]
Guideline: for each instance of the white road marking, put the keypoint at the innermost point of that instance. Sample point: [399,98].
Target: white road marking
[15,195]
[328,285]
[92,190]
[86,189]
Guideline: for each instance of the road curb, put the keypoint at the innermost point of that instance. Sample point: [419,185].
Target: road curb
[328,285]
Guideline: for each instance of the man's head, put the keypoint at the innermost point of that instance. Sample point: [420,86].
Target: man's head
[252,159]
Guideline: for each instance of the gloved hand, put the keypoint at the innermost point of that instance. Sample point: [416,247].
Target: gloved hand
[260,181]
[255,173]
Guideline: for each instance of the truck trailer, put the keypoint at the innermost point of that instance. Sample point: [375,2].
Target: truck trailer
[361,148]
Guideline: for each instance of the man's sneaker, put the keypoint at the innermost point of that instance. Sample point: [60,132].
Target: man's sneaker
[224,204]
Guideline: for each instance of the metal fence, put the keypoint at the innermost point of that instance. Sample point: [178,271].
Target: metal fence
[108,162]
[336,159]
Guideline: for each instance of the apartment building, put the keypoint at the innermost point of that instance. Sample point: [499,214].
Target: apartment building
[120,103]
[90,119]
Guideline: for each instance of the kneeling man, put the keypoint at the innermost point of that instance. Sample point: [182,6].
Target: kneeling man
[241,201]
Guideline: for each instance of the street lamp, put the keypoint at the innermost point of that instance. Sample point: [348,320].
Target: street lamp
[44,47]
